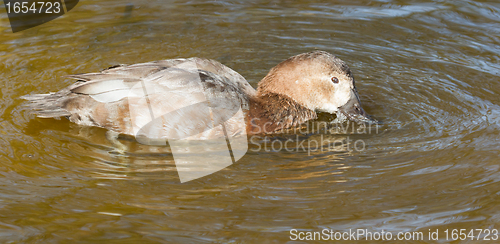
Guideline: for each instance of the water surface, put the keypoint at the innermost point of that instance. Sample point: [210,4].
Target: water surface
[428,69]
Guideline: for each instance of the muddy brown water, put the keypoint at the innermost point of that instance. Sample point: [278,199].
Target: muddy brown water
[429,70]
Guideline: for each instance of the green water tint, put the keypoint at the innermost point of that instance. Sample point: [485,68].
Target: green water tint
[427,70]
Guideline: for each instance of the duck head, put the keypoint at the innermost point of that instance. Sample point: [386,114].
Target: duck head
[318,81]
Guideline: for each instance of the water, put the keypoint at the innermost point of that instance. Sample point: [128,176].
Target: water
[428,69]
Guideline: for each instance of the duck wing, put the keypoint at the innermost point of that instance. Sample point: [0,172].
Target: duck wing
[175,98]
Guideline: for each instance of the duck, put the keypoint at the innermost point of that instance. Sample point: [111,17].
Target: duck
[202,99]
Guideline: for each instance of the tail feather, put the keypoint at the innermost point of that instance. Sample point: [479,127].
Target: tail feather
[47,105]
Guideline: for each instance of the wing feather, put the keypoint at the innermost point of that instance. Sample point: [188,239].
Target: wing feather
[123,98]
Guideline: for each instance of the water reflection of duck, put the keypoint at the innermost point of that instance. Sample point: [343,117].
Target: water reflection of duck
[124,98]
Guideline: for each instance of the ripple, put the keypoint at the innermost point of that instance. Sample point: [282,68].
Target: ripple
[429,71]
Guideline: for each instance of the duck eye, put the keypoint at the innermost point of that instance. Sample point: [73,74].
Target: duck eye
[335,80]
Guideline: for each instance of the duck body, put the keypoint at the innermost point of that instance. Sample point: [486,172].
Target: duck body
[201,99]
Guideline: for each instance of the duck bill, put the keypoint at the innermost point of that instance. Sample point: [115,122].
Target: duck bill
[353,110]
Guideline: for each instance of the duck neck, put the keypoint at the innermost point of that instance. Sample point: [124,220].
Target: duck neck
[271,112]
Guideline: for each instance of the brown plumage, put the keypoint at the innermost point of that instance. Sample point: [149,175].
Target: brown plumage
[188,98]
